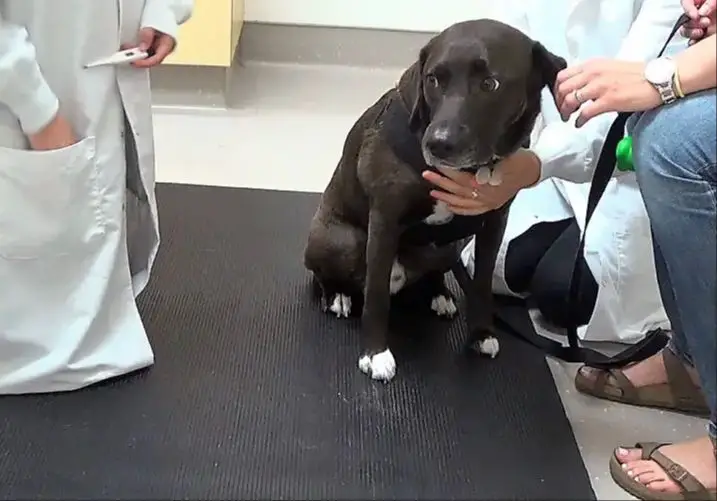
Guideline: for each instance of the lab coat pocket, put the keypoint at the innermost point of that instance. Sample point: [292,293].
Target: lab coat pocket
[50,201]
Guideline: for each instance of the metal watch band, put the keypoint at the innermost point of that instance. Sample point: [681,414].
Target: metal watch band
[667,92]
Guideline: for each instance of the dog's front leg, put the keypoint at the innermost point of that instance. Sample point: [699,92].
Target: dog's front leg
[376,358]
[480,295]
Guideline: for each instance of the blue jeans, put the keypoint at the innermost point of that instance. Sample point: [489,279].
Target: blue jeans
[675,156]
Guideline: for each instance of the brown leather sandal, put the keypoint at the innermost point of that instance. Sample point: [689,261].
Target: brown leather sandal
[692,489]
[679,394]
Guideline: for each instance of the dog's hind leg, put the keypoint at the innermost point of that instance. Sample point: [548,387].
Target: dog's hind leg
[334,297]
[335,254]
[425,269]
[442,302]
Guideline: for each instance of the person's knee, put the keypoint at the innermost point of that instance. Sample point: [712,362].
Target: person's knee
[550,292]
[676,142]
[553,305]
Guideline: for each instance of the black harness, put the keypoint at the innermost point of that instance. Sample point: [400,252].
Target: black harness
[406,145]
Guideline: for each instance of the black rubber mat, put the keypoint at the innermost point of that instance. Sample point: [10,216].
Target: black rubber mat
[256,394]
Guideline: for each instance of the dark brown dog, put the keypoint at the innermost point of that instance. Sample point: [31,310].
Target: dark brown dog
[471,98]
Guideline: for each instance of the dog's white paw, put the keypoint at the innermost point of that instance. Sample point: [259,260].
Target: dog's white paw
[398,277]
[341,306]
[381,366]
[443,306]
[489,346]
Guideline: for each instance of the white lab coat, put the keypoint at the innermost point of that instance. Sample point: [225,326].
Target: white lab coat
[618,244]
[78,226]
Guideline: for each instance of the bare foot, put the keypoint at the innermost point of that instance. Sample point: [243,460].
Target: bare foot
[645,373]
[697,457]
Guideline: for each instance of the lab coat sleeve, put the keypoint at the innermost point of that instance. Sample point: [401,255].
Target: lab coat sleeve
[23,88]
[166,15]
[571,154]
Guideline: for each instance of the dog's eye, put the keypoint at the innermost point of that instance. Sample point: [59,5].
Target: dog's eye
[489,84]
[432,80]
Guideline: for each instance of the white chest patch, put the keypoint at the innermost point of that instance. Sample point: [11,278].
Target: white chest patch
[440,215]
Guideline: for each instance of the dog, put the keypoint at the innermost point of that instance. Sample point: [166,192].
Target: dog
[471,99]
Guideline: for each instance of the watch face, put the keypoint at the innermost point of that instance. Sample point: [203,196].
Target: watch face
[659,71]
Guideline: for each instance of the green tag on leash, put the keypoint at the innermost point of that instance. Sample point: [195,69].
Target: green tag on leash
[623,154]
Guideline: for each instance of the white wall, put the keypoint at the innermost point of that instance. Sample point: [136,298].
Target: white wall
[408,15]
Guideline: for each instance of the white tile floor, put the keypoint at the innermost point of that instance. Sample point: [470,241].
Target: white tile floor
[286,133]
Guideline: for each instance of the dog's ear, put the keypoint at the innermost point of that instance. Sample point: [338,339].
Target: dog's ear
[419,108]
[547,66]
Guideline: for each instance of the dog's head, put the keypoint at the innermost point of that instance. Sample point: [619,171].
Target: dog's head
[475,92]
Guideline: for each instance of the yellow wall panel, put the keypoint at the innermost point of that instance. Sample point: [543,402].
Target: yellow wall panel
[210,37]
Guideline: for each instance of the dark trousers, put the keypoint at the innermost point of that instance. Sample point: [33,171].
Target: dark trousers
[540,261]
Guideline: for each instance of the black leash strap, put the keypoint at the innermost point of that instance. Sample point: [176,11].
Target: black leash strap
[653,341]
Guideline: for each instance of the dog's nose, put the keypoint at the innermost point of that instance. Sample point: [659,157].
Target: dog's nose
[441,147]
[441,144]
[444,140]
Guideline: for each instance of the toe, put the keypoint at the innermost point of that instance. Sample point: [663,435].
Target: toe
[648,473]
[654,479]
[661,485]
[590,372]
[628,455]
[635,468]
[650,478]
[638,467]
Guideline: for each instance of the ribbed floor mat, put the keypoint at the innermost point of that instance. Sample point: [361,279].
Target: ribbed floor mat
[256,394]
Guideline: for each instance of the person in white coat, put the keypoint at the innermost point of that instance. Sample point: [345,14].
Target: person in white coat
[621,301]
[78,217]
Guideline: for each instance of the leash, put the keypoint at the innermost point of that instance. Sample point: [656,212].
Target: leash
[655,340]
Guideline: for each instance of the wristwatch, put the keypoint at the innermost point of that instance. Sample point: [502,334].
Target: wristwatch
[660,73]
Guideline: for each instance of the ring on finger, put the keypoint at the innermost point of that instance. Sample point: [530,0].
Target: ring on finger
[578,96]
[474,194]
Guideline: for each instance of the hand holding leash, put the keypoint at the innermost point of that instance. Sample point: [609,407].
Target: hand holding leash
[703,19]
[602,85]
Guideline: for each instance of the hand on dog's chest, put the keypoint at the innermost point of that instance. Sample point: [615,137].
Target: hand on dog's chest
[440,215]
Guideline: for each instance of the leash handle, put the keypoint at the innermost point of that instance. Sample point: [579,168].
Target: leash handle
[624,155]
[653,341]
